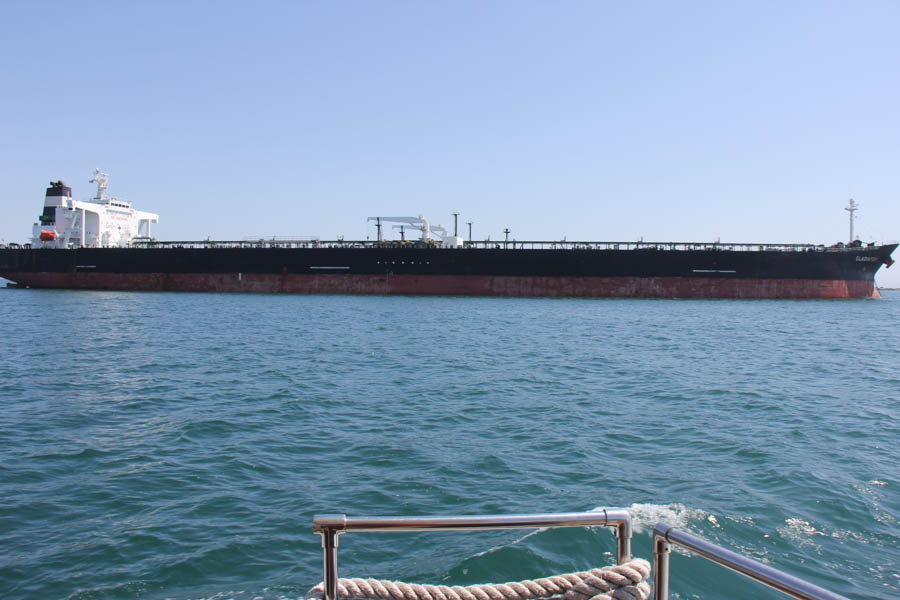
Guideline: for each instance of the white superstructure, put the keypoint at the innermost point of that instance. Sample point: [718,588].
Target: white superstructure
[102,222]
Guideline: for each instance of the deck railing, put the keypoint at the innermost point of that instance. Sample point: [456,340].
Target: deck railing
[665,536]
[330,526]
[279,242]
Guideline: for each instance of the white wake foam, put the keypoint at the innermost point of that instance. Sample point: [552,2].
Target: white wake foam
[645,516]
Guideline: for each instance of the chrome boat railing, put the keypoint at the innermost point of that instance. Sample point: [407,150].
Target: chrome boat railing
[665,536]
[330,526]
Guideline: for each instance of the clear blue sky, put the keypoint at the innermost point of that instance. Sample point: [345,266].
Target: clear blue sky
[751,121]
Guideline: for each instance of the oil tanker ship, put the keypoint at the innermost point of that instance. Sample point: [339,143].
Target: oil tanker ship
[105,244]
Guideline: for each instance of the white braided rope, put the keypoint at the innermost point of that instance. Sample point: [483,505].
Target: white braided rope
[619,582]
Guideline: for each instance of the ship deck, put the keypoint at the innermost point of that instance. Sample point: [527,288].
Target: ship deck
[282,242]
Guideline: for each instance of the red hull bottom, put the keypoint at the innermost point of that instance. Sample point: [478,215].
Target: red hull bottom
[469,285]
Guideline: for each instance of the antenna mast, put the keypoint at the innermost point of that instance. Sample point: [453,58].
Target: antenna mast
[100,179]
[852,208]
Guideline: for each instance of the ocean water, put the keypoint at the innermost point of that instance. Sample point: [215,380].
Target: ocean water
[162,445]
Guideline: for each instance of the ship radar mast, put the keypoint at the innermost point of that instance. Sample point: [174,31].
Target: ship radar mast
[100,179]
[852,208]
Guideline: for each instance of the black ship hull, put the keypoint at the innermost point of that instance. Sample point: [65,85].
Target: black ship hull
[639,270]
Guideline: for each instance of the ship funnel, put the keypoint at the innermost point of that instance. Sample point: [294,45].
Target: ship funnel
[58,194]
[44,232]
[58,189]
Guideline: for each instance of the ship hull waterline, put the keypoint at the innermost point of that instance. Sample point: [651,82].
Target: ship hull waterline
[457,285]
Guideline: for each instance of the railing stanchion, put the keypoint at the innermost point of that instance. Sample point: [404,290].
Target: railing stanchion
[661,550]
[621,520]
[329,556]
[329,527]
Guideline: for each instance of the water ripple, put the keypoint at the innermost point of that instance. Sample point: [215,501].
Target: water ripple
[178,446]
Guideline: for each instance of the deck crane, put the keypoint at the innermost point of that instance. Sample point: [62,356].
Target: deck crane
[438,230]
[419,222]
[447,240]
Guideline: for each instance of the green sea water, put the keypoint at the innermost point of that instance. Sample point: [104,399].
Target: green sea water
[162,445]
